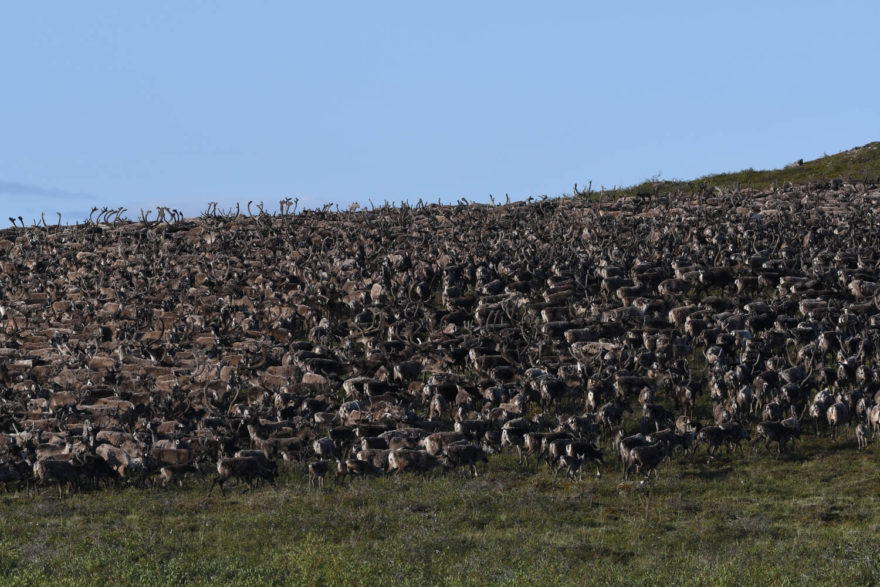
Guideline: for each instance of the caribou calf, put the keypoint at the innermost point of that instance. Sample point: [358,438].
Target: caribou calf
[713,436]
[462,454]
[862,433]
[404,459]
[60,473]
[247,469]
[837,414]
[317,472]
[170,473]
[647,458]
[775,432]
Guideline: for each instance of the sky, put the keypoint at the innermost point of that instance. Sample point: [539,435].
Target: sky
[145,104]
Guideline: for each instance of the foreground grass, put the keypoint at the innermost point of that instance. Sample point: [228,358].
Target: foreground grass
[810,517]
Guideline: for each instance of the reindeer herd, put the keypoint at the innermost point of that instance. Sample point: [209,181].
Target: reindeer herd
[583,331]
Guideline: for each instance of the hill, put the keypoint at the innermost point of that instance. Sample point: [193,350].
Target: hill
[538,328]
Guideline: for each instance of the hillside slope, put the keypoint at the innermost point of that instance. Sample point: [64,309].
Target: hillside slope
[857,165]
[568,316]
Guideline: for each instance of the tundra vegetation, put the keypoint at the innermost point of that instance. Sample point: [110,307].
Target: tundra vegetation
[391,394]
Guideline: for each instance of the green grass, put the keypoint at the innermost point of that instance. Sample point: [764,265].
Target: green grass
[861,164]
[811,517]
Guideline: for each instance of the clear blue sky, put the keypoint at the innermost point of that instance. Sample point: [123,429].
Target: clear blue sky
[117,103]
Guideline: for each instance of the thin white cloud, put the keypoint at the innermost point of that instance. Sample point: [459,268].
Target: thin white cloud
[14,188]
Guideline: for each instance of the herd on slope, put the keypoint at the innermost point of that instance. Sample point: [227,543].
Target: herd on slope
[405,339]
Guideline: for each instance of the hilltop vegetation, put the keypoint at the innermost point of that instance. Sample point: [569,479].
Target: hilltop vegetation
[861,164]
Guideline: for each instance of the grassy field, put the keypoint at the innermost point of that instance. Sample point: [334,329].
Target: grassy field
[810,517]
